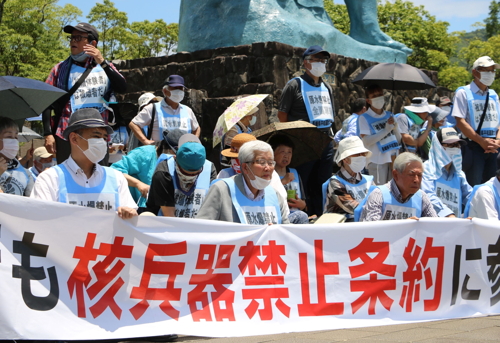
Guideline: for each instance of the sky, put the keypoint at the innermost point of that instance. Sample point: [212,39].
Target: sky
[461,14]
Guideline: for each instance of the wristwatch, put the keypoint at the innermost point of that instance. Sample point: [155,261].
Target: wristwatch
[104,64]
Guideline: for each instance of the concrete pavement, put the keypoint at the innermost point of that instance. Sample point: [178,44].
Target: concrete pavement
[483,329]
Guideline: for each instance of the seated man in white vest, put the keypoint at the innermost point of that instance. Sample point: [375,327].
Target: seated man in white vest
[80,180]
[14,178]
[248,197]
[180,184]
[42,159]
[167,115]
[485,200]
[443,180]
[400,198]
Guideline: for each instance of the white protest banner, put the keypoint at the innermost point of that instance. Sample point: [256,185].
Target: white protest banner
[68,272]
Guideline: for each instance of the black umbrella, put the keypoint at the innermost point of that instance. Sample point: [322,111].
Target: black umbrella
[394,76]
[309,141]
[25,98]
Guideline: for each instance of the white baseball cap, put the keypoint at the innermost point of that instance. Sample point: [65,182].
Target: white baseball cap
[145,99]
[485,61]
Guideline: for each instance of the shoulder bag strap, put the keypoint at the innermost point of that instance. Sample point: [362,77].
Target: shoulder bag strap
[150,129]
[484,114]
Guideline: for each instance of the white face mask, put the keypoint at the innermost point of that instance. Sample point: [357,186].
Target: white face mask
[318,69]
[378,102]
[10,148]
[357,163]
[446,108]
[47,165]
[259,183]
[235,164]
[253,121]
[487,78]
[453,151]
[186,181]
[176,95]
[97,149]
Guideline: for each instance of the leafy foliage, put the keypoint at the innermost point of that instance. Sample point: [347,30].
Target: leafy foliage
[31,39]
[493,22]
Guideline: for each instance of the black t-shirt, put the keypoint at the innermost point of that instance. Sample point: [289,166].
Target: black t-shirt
[292,101]
[161,192]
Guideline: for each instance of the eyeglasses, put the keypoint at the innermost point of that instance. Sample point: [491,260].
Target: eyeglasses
[452,145]
[263,162]
[76,38]
[320,60]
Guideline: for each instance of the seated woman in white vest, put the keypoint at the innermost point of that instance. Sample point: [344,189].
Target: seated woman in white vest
[290,178]
[444,181]
[14,178]
[80,180]
[400,198]
[247,197]
[343,192]
[180,183]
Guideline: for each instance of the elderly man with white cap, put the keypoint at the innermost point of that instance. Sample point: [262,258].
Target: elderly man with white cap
[476,109]
[443,180]
[80,180]
[411,123]
[167,115]
[343,192]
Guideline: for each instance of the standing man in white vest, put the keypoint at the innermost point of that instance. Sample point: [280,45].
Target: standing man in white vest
[475,108]
[167,115]
[94,90]
[80,180]
[309,98]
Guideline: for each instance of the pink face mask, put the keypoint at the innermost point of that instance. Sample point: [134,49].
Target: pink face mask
[235,164]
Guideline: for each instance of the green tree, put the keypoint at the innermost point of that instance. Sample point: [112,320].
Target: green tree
[171,38]
[111,24]
[31,42]
[339,16]
[454,76]
[409,24]
[492,22]
[475,49]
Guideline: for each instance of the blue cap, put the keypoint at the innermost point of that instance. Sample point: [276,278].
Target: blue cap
[191,156]
[174,81]
[315,49]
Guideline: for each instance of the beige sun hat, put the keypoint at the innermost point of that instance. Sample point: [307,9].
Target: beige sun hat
[350,146]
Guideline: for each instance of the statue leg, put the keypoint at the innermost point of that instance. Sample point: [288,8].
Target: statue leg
[365,27]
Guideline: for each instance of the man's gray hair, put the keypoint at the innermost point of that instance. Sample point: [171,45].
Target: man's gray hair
[404,159]
[249,149]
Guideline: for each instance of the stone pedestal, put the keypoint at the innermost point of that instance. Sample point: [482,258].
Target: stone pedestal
[217,77]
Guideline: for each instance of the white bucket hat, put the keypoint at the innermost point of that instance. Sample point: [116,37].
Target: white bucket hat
[350,146]
[145,99]
[420,105]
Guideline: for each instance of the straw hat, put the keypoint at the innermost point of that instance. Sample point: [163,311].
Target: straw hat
[350,146]
[236,144]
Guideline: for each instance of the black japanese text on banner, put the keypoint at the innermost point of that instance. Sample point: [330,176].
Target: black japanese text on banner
[76,273]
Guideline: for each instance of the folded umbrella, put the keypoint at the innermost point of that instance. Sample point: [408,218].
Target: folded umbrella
[22,98]
[394,76]
[309,141]
[27,135]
